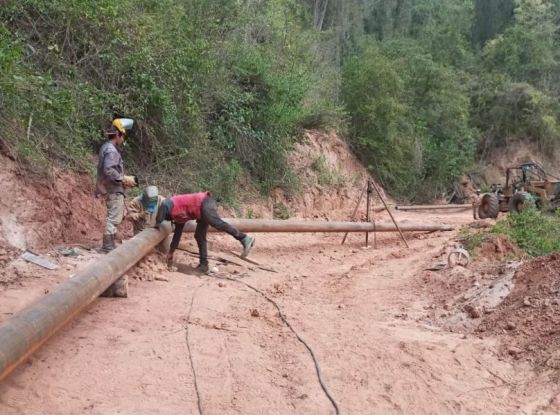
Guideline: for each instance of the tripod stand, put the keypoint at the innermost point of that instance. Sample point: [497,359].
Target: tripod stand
[369,188]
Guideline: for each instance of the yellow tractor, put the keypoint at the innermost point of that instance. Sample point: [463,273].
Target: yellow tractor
[526,185]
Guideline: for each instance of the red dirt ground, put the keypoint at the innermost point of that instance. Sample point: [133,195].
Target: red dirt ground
[529,318]
[374,317]
[361,310]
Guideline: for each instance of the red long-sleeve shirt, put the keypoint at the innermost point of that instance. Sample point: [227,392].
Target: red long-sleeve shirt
[187,207]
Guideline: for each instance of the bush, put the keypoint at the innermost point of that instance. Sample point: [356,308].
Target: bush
[472,239]
[218,87]
[536,233]
[409,119]
[325,175]
[516,110]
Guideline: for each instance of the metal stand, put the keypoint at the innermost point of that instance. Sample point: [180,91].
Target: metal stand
[354,213]
[370,188]
[390,214]
[368,208]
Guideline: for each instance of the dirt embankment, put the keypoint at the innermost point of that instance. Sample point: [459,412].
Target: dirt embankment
[518,151]
[529,318]
[331,181]
[36,213]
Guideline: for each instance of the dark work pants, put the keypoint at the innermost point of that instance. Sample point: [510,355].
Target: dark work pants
[210,217]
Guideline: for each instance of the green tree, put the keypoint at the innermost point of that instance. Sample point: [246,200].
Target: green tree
[492,17]
[528,51]
[409,118]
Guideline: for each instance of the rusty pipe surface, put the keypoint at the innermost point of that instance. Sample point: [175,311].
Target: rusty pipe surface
[429,207]
[271,225]
[25,332]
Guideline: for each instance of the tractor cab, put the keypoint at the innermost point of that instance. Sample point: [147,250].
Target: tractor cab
[518,178]
[526,184]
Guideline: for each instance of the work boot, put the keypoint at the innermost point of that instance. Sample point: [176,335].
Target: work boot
[108,243]
[202,268]
[247,243]
[118,289]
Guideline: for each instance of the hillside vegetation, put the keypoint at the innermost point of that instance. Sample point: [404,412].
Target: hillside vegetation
[220,89]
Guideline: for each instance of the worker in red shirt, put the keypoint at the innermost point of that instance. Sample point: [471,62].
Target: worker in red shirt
[200,206]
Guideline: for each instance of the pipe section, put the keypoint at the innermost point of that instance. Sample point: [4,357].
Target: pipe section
[430,207]
[271,225]
[25,332]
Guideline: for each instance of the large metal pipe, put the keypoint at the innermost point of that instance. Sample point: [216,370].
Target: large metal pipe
[25,332]
[271,225]
[430,207]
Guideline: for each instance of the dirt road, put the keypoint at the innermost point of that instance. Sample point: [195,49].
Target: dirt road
[362,311]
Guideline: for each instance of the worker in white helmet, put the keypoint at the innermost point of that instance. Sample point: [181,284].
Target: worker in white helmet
[142,210]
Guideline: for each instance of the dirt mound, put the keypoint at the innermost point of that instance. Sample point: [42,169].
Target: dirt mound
[517,151]
[529,317]
[7,255]
[463,296]
[497,248]
[37,212]
[149,267]
[331,178]
[517,303]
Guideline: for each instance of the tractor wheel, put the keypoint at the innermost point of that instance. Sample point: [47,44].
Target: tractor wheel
[489,206]
[520,201]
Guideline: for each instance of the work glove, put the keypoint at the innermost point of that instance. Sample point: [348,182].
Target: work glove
[130,181]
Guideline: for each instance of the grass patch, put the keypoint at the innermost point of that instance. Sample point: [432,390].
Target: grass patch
[534,232]
[472,239]
[280,211]
[327,176]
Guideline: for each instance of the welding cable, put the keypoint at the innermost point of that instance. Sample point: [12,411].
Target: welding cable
[315,362]
[198,400]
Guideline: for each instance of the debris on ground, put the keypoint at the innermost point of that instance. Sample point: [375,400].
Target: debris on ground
[529,317]
[458,256]
[497,248]
[7,255]
[519,303]
[437,267]
[149,268]
[68,251]
[38,260]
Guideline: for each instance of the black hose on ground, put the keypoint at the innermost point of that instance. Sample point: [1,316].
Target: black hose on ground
[198,400]
[315,362]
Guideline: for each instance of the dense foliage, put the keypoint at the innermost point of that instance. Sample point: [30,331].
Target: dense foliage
[431,86]
[220,88]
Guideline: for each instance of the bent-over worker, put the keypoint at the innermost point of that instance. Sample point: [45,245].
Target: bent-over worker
[200,206]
